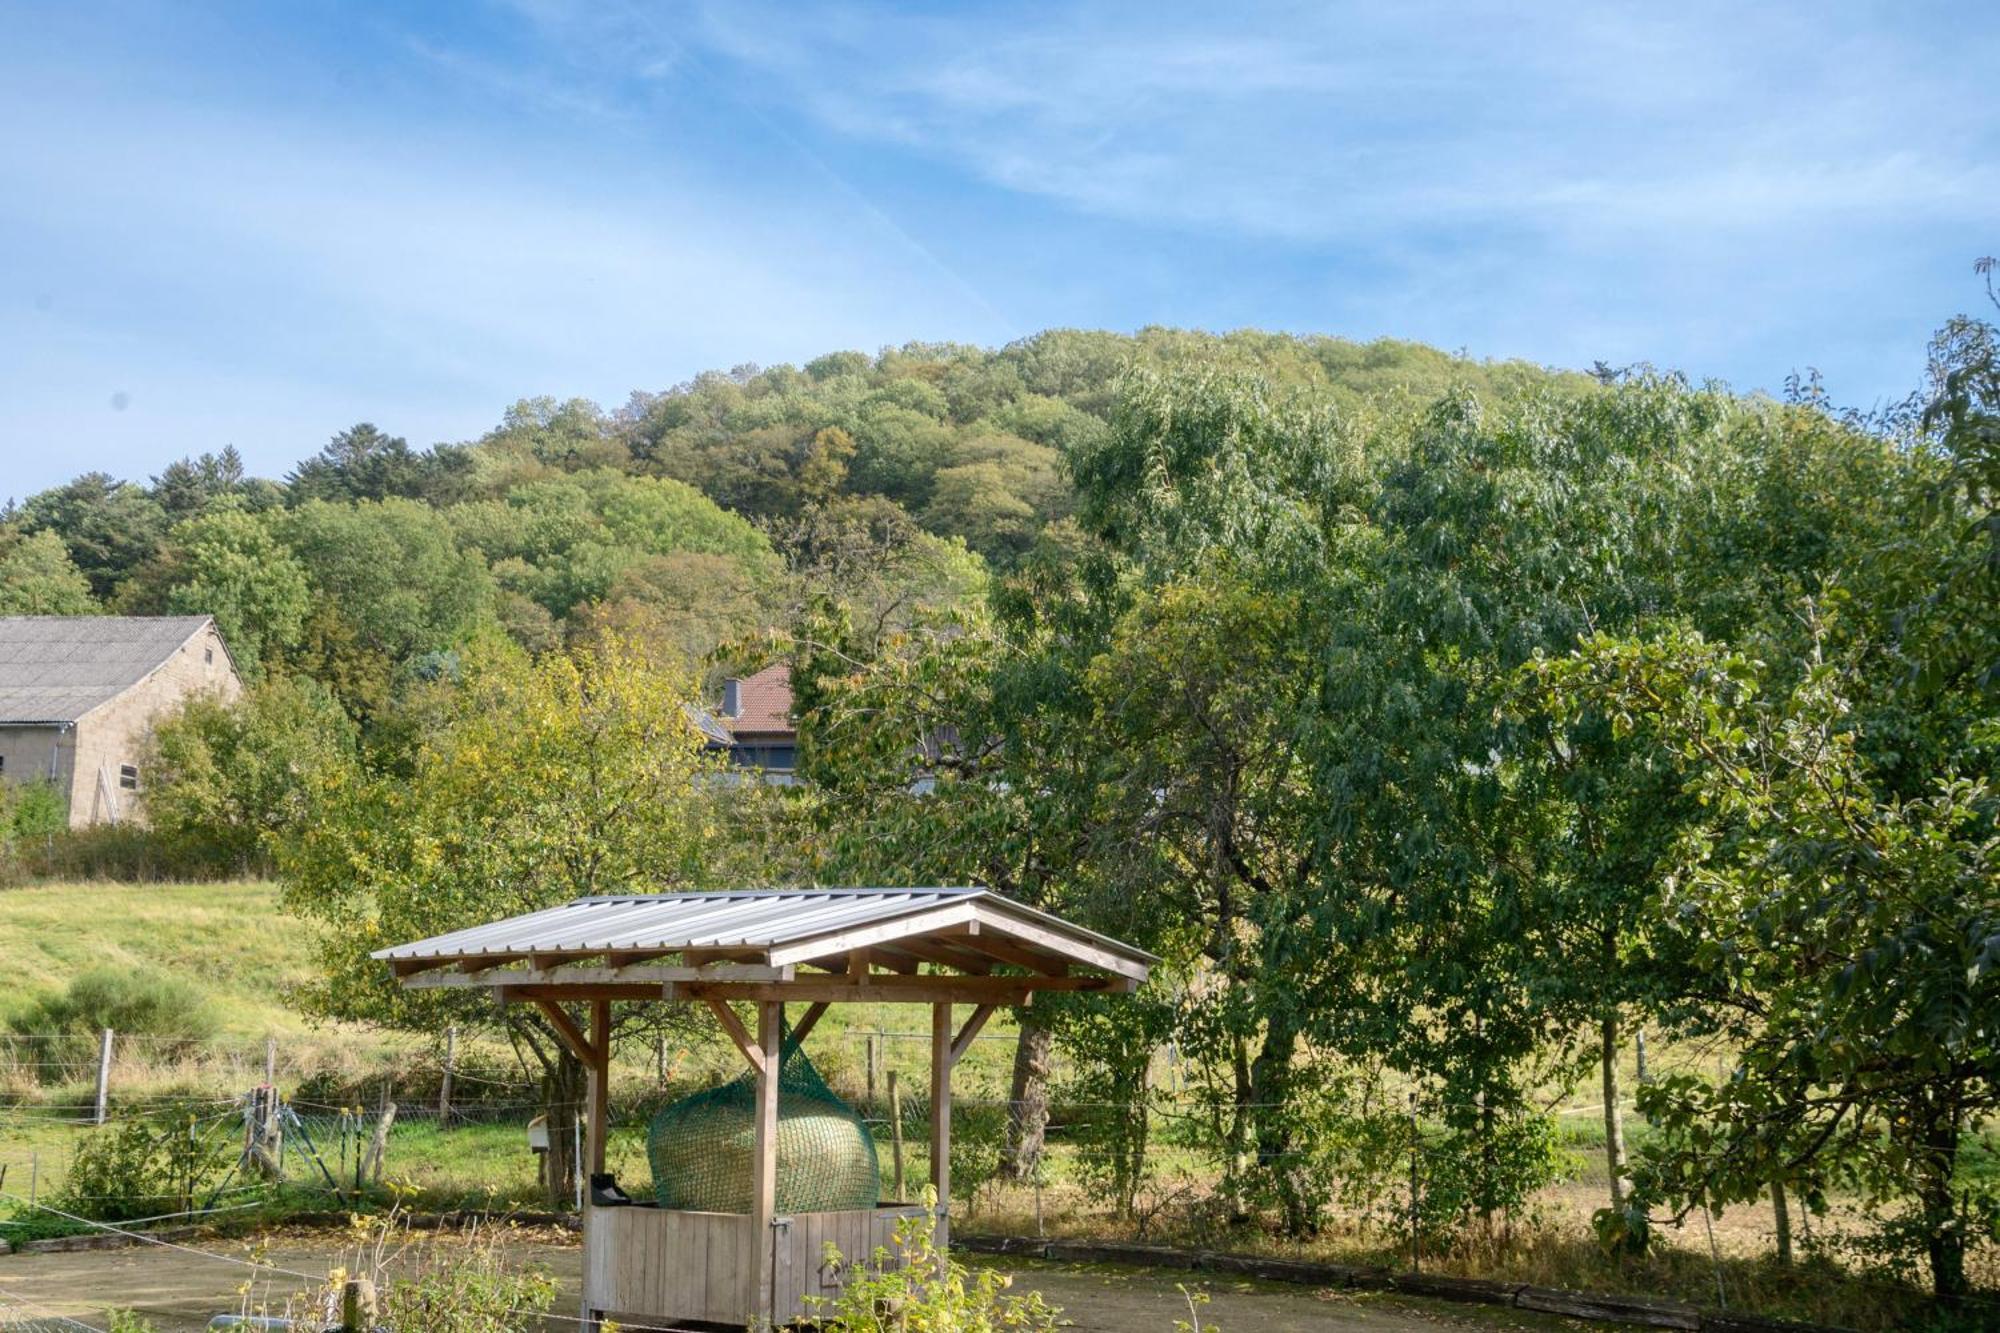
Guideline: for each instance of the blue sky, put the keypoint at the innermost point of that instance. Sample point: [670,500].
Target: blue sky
[256,224]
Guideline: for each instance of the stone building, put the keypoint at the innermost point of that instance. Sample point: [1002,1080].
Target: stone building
[79,696]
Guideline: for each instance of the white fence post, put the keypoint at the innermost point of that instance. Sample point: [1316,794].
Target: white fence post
[104,1077]
[444,1085]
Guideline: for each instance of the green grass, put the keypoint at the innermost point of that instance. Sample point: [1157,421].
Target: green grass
[228,939]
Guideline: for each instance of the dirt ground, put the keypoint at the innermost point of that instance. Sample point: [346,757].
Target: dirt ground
[179,1292]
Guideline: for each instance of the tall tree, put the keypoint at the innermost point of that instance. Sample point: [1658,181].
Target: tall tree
[535,783]
[109,527]
[37,578]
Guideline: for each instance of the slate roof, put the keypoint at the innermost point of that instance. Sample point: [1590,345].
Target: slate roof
[57,668]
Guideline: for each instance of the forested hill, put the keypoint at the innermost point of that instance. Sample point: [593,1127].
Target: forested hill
[690,516]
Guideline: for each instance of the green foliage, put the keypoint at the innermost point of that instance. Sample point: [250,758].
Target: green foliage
[37,577]
[388,583]
[476,1290]
[230,779]
[148,1167]
[1857,933]
[912,1286]
[363,463]
[529,784]
[227,562]
[594,535]
[108,526]
[30,812]
[63,1030]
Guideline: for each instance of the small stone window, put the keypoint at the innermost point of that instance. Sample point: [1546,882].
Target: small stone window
[208,656]
[128,776]
[3,763]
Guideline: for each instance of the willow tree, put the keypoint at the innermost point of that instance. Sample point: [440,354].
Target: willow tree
[532,784]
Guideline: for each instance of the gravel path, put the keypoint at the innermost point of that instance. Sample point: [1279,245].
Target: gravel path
[179,1292]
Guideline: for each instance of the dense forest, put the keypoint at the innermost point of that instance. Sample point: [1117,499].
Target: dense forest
[1440,723]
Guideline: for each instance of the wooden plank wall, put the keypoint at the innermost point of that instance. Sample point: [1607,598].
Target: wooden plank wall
[657,1263]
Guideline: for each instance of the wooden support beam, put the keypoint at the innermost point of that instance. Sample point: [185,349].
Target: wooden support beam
[807,1021]
[599,1083]
[575,975]
[883,990]
[970,1032]
[857,965]
[764,1164]
[995,921]
[570,1034]
[631,956]
[941,1041]
[895,960]
[934,951]
[1020,955]
[752,1050]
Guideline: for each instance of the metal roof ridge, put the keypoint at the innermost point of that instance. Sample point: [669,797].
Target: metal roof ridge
[694,895]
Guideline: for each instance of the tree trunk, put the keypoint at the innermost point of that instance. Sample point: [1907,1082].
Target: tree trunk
[562,1102]
[1277,1149]
[1028,1102]
[1781,1216]
[1614,1119]
[1944,1236]
[1237,1132]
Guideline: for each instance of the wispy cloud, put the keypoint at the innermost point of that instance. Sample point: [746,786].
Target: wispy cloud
[1333,122]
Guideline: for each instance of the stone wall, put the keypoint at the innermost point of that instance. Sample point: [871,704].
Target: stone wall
[112,736]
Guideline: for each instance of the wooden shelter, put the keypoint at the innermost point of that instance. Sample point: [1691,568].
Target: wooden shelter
[942,947]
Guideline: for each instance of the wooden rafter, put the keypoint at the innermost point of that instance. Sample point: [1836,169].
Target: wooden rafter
[1021,955]
[970,1032]
[570,1034]
[808,1020]
[738,1033]
[936,951]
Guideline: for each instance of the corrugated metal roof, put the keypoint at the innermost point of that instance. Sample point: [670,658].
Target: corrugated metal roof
[57,668]
[748,919]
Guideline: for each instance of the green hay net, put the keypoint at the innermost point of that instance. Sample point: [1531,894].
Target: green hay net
[701,1146]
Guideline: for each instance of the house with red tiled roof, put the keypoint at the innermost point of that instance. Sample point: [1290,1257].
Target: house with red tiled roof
[755,725]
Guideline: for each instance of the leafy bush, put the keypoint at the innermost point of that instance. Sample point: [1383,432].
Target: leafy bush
[230,777]
[60,1032]
[912,1286]
[465,1285]
[125,853]
[146,1168]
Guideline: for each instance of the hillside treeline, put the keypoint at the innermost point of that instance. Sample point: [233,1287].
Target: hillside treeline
[686,517]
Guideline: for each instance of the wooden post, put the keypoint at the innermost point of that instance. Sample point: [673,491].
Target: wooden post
[357,1305]
[873,1105]
[104,1076]
[896,1135]
[378,1151]
[444,1083]
[941,1036]
[600,1082]
[270,1060]
[764,1166]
